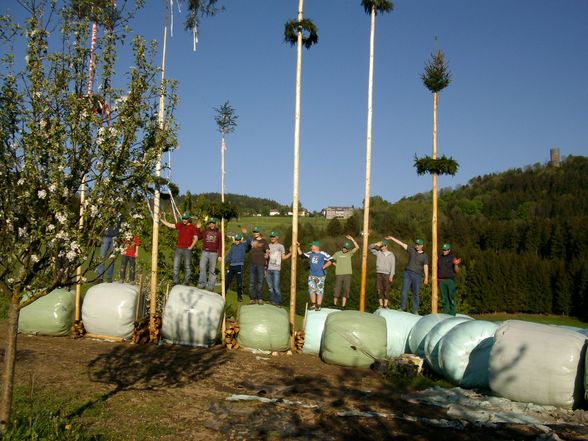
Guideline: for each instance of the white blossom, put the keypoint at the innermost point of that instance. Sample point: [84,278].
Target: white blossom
[61,235]
[41,194]
[71,255]
[22,231]
[50,227]
[52,188]
[42,124]
[21,181]
[34,258]
[61,217]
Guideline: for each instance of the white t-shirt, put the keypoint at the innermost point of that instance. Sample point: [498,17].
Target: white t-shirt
[276,250]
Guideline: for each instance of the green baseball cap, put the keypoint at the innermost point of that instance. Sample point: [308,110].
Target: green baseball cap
[257,230]
[347,245]
[419,242]
[186,215]
[446,247]
[384,242]
[211,220]
[315,243]
[274,234]
[238,237]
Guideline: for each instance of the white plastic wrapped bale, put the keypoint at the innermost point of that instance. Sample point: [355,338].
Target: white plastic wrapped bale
[398,327]
[52,314]
[538,363]
[416,339]
[464,351]
[353,338]
[434,336]
[192,316]
[313,330]
[264,327]
[109,309]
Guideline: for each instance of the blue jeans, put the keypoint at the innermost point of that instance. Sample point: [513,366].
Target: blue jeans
[184,254]
[256,281]
[273,282]
[106,250]
[235,271]
[410,281]
[207,259]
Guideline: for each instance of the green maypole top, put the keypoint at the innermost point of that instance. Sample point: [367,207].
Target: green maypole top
[380,6]
[309,32]
[437,75]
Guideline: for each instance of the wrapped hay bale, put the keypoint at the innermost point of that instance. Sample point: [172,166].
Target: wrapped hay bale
[538,363]
[398,327]
[109,309]
[264,327]
[416,339]
[464,351]
[313,330]
[192,316]
[432,339]
[353,338]
[52,314]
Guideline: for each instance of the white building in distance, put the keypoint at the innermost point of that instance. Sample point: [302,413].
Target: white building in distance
[338,212]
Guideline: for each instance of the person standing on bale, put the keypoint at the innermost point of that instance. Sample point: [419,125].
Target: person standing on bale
[257,266]
[276,254]
[319,262]
[448,267]
[130,254]
[236,259]
[343,271]
[417,266]
[187,238]
[385,268]
[211,243]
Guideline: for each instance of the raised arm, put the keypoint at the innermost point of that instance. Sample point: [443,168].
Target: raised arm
[355,245]
[399,242]
[167,224]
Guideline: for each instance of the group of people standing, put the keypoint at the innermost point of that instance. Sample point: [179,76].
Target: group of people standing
[265,258]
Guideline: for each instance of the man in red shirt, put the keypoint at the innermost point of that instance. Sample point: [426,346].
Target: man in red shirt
[129,257]
[187,238]
[211,243]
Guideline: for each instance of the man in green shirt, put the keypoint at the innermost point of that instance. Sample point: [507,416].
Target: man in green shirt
[343,271]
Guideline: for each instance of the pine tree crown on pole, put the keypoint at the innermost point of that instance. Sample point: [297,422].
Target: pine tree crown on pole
[380,6]
[200,8]
[440,166]
[226,118]
[309,32]
[437,75]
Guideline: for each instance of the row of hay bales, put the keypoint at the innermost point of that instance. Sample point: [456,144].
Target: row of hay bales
[518,360]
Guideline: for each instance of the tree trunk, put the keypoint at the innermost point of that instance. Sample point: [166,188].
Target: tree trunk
[368,164]
[9,365]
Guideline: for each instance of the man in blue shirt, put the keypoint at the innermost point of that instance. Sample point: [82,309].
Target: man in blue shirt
[236,258]
[319,262]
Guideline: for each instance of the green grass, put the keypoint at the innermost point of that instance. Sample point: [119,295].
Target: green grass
[548,319]
[268,223]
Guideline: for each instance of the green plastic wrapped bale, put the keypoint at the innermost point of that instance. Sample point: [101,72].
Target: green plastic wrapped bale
[353,338]
[264,327]
[52,314]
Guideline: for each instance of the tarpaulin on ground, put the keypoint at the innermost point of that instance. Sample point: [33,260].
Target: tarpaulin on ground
[353,338]
[432,339]
[52,314]
[264,327]
[192,316]
[109,309]
[538,363]
[416,339]
[463,353]
[398,327]
[313,330]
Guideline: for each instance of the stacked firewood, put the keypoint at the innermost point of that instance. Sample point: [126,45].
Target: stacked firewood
[230,338]
[78,330]
[408,364]
[142,334]
[299,340]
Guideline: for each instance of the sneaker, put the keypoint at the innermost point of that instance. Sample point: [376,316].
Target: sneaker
[317,308]
[260,302]
[239,299]
[252,302]
[311,306]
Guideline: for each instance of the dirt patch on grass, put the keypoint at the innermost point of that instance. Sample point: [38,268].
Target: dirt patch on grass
[170,392]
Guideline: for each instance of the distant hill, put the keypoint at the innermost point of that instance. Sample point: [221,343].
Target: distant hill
[246,205]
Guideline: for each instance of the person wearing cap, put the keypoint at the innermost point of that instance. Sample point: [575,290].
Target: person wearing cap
[276,254]
[417,266]
[236,259]
[447,268]
[129,257]
[343,271]
[385,269]
[187,238]
[211,243]
[257,265]
[319,262]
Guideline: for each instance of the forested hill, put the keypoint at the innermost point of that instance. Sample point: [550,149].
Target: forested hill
[523,235]
[246,205]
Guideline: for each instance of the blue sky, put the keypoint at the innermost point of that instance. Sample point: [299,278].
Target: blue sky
[520,87]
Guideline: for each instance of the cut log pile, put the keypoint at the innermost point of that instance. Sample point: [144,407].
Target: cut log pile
[230,337]
[78,330]
[408,364]
[299,341]
[142,334]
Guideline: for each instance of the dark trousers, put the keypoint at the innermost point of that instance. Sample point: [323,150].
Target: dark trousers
[130,260]
[235,271]
[256,281]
